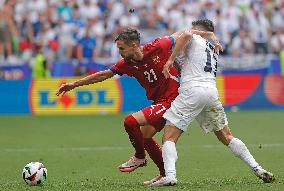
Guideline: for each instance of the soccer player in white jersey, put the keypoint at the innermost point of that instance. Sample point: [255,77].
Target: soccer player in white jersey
[198,99]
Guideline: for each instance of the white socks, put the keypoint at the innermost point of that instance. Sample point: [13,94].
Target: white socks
[170,158]
[237,147]
[241,151]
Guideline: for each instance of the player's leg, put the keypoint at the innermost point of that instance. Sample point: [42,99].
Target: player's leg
[236,146]
[151,120]
[170,138]
[132,125]
[183,111]
[241,151]
[154,150]
[154,117]
[214,118]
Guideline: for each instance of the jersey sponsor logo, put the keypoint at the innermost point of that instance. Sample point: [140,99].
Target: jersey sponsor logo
[156,59]
[104,97]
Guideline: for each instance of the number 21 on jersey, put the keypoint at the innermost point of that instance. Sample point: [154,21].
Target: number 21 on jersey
[150,76]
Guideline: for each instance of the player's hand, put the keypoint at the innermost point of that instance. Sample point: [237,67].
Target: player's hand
[166,71]
[65,88]
[217,44]
[218,47]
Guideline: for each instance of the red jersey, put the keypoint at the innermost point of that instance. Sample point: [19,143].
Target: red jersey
[148,71]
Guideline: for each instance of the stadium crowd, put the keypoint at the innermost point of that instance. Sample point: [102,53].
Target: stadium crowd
[85,29]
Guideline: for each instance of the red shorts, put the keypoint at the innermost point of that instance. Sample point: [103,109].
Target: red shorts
[154,114]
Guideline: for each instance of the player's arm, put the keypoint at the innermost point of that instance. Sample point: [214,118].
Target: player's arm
[180,44]
[91,79]
[211,36]
[205,34]
[175,37]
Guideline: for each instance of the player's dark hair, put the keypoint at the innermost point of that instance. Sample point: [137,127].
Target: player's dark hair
[129,35]
[206,24]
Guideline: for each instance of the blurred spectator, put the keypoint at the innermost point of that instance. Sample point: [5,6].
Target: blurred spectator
[278,16]
[65,10]
[49,40]
[86,47]
[25,49]
[242,44]
[108,51]
[221,30]
[6,27]
[277,41]
[232,13]
[65,38]
[209,9]
[70,29]
[89,10]
[40,68]
[36,10]
[260,30]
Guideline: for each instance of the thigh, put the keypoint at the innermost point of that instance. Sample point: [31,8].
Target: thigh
[184,109]
[213,117]
[154,114]
[171,133]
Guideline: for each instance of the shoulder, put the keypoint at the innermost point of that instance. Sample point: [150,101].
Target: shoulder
[121,62]
[119,68]
[158,43]
[152,44]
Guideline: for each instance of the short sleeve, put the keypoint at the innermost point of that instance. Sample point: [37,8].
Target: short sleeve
[167,42]
[119,68]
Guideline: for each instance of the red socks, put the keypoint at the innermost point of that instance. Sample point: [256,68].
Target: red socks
[132,127]
[155,152]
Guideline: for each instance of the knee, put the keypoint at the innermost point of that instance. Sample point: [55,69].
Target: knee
[130,122]
[165,139]
[171,133]
[168,137]
[226,139]
[224,136]
[148,131]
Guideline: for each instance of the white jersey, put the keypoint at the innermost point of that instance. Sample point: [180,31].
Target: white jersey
[198,63]
[198,95]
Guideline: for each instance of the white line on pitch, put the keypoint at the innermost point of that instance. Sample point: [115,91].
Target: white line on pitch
[110,148]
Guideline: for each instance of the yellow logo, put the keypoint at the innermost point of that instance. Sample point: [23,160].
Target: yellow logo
[104,97]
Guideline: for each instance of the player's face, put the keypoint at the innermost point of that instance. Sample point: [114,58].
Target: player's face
[126,51]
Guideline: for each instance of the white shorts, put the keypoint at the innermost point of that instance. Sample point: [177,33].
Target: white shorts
[201,103]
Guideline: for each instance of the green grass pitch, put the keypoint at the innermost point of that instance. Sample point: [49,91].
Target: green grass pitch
[83,152]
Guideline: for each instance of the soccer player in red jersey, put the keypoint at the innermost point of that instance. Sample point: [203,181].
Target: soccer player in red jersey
[143,63]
